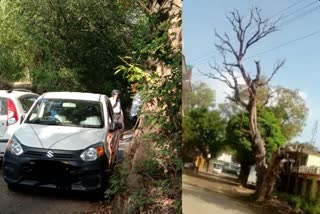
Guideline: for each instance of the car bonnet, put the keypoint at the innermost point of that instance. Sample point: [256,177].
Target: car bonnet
[58,137]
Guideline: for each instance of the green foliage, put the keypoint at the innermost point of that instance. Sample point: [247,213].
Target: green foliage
[288,105]
[202,96]
[202,130]
[238,137]
[139,200]
[292,110]
[161,95]
[65,45]
[298,202]
[118,179]
[270,129]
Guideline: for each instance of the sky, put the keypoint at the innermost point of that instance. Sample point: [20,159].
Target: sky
[301,70]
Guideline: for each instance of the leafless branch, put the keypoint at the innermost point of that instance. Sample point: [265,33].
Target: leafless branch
[227,71]
[222,77]
[264,28]
[226,42]
[275,70]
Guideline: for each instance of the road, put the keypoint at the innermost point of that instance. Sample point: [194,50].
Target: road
[45,201]
[199,200]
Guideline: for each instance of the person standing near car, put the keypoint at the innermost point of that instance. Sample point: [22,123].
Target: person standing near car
[135,108]
[117,109]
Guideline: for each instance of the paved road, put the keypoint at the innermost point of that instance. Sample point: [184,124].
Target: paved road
[46,201]
[199,200]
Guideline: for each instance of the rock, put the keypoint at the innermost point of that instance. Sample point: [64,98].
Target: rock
[134,181]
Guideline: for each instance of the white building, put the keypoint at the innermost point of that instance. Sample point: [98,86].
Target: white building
[225,157]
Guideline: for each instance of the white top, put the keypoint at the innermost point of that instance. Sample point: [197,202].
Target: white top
[136,103]
[117,108]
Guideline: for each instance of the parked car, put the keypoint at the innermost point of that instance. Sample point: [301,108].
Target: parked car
[68,140]
[14,104]
[217,167]
[188,165]
[231,168]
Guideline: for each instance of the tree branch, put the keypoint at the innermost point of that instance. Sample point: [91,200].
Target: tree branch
[263,28]
[269,96]
[228,44]
[275,70]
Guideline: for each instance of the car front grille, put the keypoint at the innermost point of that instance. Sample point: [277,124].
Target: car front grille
[43,154]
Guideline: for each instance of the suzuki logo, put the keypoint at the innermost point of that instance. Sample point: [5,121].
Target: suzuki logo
[50,154]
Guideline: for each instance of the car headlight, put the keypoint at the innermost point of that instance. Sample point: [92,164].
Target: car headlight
[92,153]
[14,146]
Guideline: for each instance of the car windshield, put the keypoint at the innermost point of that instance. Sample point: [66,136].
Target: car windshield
[65,112]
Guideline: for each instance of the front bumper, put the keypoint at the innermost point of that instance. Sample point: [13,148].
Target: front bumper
[64,170]
[3,143]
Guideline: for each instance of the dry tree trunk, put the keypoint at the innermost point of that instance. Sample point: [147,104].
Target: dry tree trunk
[138,153]
[228,72]
[272,174]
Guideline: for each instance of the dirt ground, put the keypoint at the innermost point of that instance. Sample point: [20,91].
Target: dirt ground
[213,193]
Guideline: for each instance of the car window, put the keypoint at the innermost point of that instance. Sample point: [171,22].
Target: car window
[65,112]
[27,102]
[3,106]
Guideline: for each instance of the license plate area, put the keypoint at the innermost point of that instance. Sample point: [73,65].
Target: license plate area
[50,171]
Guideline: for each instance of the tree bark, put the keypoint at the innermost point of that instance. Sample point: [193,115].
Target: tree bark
[257,141]
[271,176]
[244,173]
[227,71]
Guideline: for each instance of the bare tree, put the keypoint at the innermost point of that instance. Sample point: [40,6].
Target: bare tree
[232,68]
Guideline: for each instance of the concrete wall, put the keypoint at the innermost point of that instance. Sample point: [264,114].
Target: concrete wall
[313,160]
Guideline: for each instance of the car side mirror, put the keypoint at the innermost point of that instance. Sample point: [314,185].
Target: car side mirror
[22,118]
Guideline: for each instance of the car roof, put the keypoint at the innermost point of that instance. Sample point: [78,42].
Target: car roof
[72,96]
[15,94]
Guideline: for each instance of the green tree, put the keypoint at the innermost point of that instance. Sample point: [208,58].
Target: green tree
[202,96]
[288,105]
[154,66]
[238,138]
[292,111]
[203,132]
[66,45]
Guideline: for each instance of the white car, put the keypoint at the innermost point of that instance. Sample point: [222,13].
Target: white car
[14,104]
[217,168]
[68,140]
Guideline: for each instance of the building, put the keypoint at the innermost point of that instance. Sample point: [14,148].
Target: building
[225,158]
[303,174]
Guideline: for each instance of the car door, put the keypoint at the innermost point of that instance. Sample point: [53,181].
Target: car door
[3,115]
[115,140]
